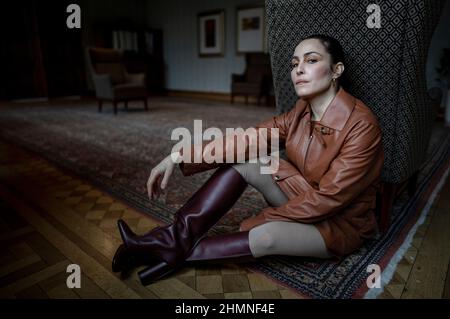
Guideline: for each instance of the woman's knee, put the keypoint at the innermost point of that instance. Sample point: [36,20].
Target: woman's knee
[262,238]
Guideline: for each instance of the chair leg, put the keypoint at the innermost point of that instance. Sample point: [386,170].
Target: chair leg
[126,105]
[100,104]
[145,104]
[232,99]
[115,107]
[246,99]
[387,200]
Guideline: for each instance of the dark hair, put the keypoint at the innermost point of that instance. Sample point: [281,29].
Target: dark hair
[334,48]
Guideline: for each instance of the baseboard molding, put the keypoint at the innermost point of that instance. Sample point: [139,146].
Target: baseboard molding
[215,96]
[212,96]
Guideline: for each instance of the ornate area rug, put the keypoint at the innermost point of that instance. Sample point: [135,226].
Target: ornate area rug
[117,153]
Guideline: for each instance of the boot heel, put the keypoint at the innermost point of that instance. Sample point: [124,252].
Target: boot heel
[155,272]
[123,261]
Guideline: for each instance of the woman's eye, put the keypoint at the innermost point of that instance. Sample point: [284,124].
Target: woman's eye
[294,64]
[312,61]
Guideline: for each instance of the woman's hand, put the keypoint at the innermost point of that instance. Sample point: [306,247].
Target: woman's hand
[164,169]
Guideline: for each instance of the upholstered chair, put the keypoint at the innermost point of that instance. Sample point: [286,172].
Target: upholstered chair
[385,67]
[256,79]
[111,80]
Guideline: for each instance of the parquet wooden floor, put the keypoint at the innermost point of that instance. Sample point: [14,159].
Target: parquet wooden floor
[50,219]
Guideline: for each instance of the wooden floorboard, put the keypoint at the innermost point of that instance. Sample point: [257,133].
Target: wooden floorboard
[446,294]
[104,278]
[428,275]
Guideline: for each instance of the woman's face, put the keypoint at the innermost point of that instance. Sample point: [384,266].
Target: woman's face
[311,71]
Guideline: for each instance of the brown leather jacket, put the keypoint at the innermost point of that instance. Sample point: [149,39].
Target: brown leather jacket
[332,174]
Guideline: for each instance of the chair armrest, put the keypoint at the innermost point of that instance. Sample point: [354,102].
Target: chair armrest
[136,78]
[103,86]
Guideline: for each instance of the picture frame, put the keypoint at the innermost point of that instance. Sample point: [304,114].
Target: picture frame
[211,33]
[251,31]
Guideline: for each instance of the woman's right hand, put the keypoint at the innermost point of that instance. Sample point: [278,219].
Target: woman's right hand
[164,169]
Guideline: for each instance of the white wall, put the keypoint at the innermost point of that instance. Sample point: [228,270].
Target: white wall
[440,40]
[185,70]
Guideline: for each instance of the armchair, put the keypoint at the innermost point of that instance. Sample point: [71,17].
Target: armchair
[385,68]
[256,80]
[111,80]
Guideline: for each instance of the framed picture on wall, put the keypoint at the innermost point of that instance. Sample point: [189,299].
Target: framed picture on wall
[250,29]
[211,33]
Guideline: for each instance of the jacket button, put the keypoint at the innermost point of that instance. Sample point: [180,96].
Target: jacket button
[277,177]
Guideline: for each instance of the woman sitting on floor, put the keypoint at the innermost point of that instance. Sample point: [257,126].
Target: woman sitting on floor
[321,200]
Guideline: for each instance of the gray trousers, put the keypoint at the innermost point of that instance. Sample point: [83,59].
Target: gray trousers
[279,237]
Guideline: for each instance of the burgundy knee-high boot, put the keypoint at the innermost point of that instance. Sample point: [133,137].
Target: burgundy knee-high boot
[227,248]
[172,244]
